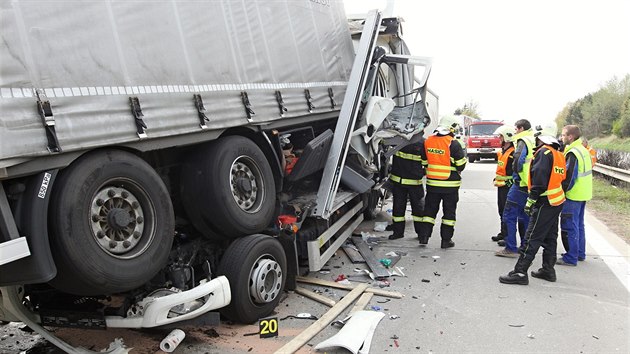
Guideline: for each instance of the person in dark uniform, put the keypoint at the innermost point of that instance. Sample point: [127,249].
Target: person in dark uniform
[445,161]
[503,179]
[406,180]
[544,204]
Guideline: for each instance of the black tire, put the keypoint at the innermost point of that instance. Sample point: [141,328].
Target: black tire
[255,266]
[228,189]
[112,224]
[370,200]
[471,159]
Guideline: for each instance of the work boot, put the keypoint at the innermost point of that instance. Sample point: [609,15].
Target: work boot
[565,263]
[498,237]
[514,277]
[447,243]
[506,253]
[395,237]
[501,243]
[546,274]
[424,239]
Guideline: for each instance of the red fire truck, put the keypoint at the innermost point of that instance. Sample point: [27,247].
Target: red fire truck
[481,141]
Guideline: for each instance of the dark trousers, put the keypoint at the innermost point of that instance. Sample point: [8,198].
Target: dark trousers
[542,230]
[402,194]
[431,207]
[502,193]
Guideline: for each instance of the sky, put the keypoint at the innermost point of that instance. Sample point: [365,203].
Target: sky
[515,59]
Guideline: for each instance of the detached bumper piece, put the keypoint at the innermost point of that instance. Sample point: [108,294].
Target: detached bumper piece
[154,311]
[159,311]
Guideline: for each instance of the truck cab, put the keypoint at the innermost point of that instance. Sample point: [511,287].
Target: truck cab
[481,142]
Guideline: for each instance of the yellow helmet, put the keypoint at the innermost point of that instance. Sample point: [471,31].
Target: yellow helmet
[547,133]
[507,132]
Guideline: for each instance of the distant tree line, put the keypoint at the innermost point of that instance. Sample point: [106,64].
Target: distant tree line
[600,113]
[470,109]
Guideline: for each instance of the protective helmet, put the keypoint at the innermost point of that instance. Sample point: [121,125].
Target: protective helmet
[449,122]
[547,133]
[506,131]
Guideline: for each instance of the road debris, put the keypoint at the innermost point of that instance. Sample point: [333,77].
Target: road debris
[384,301]
[516,325]
[596,337]
[380,226]
[172,340]
[437,274]
[426,281]
[300,316]
[530,336]
[394,317]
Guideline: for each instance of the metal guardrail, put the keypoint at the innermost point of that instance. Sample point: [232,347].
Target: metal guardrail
[614,172]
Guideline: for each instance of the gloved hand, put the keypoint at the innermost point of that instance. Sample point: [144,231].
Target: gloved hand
[528,206]
[509,183]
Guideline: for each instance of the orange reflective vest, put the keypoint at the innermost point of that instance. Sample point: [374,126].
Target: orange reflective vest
[502,160]
[593,153]
[554,192]
[438,149]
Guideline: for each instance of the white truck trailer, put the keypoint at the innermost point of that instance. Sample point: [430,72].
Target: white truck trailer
[161,160]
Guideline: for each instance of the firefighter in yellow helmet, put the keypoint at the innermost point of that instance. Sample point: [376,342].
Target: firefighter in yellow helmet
[445,161]
[544,204]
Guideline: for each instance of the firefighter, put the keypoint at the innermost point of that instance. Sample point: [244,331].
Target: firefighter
[445,159]
[579,187]
[590,149]
[503,179]
[513,214]
[544,204]
[406,180]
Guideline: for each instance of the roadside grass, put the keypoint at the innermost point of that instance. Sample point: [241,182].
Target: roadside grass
[611,205]
[611,143]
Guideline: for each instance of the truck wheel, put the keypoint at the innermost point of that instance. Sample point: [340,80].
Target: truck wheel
[370,200]
[112,224]
[255,266]
[471,159]
[228,188]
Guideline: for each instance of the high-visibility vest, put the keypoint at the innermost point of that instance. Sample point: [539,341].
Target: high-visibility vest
[582,189]
[527,136]
[593,153]
[502,160]
[438,150]
[554,192]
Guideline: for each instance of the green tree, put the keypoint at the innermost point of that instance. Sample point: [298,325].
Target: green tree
[470,109]
[621,127]
[561,118]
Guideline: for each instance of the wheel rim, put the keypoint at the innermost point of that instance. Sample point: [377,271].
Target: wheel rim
[247,185]
[122,219]
[265,280]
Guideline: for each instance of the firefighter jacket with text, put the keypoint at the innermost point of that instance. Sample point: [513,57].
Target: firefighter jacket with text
[445,161]
[546,174]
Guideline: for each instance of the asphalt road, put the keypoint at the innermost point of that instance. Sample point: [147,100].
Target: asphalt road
[462,307]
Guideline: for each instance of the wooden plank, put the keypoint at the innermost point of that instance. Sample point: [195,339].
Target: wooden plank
[315,296]
[301,339]
[332,284]
[363,301]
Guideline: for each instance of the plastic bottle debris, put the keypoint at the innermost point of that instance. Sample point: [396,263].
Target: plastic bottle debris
[386,262]
[380,226]
[171,341]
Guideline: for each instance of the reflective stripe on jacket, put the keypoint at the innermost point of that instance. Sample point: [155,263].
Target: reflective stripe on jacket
[582,189]
[554,192]
[527,137]
[438,150]
[502,164]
